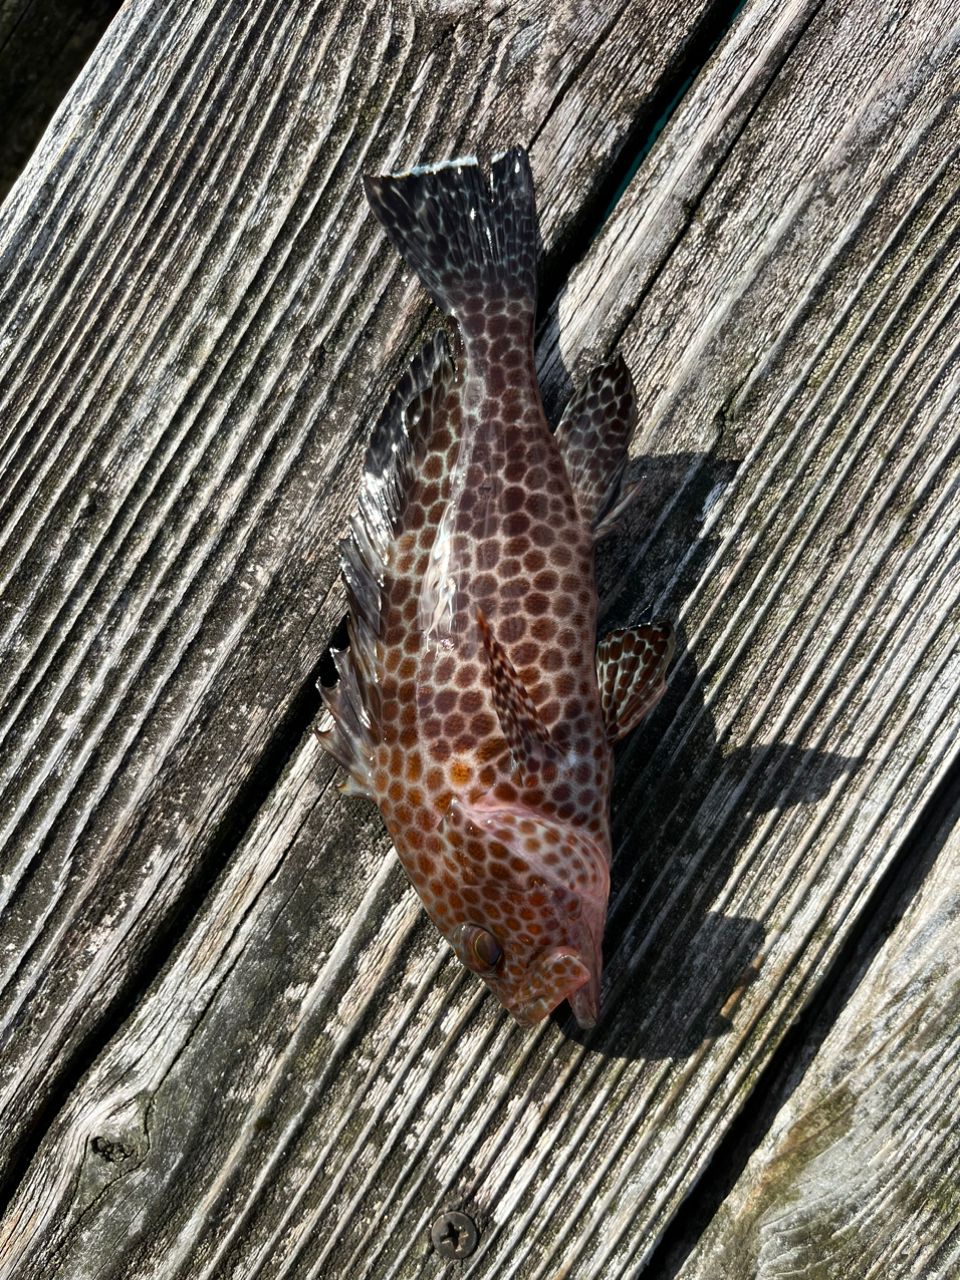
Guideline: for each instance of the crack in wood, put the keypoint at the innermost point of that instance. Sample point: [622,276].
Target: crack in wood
[705,37]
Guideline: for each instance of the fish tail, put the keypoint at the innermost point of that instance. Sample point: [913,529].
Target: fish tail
[465,236]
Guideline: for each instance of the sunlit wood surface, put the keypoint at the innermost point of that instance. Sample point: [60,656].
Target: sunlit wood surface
[232,1045]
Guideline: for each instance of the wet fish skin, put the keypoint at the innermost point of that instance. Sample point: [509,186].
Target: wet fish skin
[470,705]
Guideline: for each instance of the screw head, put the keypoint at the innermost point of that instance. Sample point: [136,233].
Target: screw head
[454,1235]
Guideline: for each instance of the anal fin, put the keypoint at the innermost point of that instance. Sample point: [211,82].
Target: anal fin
[528,738]
[593,436]
[631,672]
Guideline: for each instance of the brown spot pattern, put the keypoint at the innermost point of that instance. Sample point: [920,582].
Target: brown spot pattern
[488,742]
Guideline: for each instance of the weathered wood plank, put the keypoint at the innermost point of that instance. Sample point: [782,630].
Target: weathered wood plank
[858,1175]
[313,1078]
[198,320]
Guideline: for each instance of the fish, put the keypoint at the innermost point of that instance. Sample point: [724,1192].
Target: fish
[473,704]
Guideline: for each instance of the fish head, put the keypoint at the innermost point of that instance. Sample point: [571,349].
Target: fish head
[534,904]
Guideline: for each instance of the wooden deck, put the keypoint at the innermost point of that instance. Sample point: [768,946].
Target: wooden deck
[232,1046]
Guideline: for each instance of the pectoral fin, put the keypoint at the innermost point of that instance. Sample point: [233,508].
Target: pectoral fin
[527,736]
[631,672]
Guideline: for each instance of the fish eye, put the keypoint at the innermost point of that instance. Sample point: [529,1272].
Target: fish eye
[481,951]
[486,948]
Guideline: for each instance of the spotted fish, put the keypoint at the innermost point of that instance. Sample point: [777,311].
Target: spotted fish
[473,704]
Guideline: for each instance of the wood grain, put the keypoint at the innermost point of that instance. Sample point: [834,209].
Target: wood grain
[198,321]
[312,1078]
[858,1175]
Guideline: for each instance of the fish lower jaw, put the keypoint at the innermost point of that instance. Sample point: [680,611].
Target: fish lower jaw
[557,975]
[586,1009]
[585,1003]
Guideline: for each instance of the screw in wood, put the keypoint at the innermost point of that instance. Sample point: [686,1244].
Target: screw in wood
[454,1235]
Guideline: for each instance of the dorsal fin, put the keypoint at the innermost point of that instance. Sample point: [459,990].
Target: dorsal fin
[389,470]
[349,729]
[631,672]
[593,436]
[528,738]
[344,730]
[394,445]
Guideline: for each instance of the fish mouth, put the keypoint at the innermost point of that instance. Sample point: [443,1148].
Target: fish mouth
[559,974]
[585,1003]
[585,999]
[579,984]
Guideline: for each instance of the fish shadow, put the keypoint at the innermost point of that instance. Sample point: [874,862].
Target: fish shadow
[684,804]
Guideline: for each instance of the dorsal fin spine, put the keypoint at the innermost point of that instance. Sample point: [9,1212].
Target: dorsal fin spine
[350,729]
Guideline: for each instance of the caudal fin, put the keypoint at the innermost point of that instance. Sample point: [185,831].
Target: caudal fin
[467,238]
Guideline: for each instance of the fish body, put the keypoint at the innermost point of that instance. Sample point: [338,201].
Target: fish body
[471,705]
